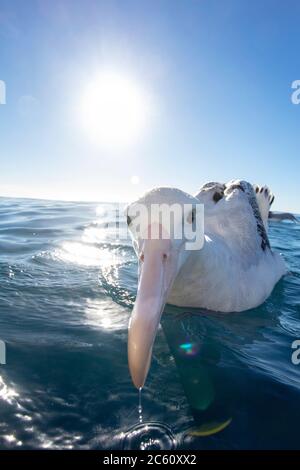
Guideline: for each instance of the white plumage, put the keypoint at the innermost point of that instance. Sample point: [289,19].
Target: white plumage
[236,269]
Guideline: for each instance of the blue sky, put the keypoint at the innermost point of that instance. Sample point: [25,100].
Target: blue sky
[219,75]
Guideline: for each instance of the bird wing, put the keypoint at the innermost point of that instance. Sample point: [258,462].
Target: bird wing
[283,216]
[265,199]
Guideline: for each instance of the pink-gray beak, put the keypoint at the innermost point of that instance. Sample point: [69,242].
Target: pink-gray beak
[156,277]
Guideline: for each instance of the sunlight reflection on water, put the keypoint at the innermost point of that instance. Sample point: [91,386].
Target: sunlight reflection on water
[7,394]
[103,314]
[79,253]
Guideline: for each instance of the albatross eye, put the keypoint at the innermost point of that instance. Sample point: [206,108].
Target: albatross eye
[129,220]
[217,196]
[192,217]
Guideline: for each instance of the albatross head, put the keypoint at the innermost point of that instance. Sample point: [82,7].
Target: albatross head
[163,226]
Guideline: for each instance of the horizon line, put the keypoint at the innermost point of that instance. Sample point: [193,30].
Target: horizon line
[92,201]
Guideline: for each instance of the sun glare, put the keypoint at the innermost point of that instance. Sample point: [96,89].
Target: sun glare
[113,110]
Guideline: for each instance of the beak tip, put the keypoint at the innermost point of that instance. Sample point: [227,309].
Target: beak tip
[138,367]
[138,375]
[137,383]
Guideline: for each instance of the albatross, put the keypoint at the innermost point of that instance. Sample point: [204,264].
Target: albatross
[234,270]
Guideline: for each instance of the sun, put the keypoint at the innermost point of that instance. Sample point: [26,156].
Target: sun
[113,110]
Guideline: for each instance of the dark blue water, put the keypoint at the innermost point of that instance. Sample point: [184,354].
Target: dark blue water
[66,293]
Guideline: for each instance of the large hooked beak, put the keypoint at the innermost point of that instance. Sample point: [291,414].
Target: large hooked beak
[158,270]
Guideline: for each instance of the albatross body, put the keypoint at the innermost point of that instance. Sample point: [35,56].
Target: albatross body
[234,270]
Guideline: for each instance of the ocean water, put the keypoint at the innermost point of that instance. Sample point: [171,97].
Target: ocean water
[67,288]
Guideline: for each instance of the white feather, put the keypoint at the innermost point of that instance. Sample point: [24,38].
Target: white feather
[232,272]
[236,269]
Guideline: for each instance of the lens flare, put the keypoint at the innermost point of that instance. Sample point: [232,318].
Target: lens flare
[189,349]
